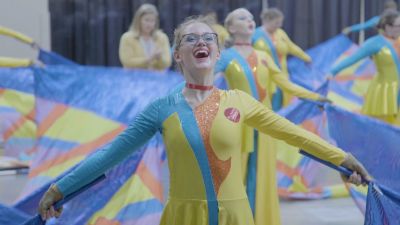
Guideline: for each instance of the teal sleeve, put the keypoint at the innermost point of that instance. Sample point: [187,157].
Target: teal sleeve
[367,25]
[222,62]
[144,126]
[370,47]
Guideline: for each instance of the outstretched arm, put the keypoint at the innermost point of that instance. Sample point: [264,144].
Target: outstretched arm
[294,49]
[266,121]
[19,36]
[369,48]
[14,62]
[287,85]
[371,23]
[138,133]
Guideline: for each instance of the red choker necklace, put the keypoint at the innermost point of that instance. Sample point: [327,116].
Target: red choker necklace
[242,43]
[199,87]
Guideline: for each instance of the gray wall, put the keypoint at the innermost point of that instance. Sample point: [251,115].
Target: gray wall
[30,17]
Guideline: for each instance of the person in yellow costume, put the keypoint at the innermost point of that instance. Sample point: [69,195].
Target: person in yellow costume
[382,98]
[16,62]
[144,45]
[201,127]
[273,40]
[254,72]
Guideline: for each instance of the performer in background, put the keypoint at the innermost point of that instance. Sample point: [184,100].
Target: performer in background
[371,23]
[144,45]
[201,128]
[382,98]
[254,72]
[271,39]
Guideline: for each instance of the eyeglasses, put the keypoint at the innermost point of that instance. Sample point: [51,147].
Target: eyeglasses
[192,38]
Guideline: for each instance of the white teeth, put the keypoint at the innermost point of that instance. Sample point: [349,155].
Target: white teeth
[201,53]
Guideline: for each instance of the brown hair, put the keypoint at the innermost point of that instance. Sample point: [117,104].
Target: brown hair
[269,14]
[140,12]
[387,18]
[178,32]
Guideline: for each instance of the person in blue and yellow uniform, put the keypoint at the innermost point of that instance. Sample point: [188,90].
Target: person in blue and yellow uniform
[212,18]
[373,22]
[382,98]
[201,128]
[254,72]
[273,40]
[144,45]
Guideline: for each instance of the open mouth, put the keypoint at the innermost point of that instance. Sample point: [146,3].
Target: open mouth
[201,53]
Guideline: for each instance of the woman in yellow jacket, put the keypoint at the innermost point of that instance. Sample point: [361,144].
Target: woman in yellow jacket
[271,39]
[144,45]
[253,72]
[382,98]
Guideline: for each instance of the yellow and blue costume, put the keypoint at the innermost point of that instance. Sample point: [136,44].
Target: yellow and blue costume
[203,149]
[371,23]
[223,34]
[382,98]
[255,75]
[133,55]
[278,46]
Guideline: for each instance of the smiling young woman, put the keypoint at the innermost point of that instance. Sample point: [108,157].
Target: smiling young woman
[201,131]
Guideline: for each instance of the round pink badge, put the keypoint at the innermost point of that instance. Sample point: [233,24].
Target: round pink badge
[232,114]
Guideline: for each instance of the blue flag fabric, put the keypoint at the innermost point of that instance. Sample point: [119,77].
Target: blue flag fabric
[52,58]
[383,206]
[11,216]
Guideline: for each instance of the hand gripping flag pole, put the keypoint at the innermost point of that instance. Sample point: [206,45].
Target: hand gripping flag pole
[37,220]
[383,203]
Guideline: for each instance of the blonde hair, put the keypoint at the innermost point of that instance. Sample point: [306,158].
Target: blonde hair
[390,5]
[140,12]
[178,32]
[269,14]
[228,20]
[227,23]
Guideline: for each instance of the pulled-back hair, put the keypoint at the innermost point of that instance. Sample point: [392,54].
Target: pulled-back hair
[269,14]
[390,5]
[388,18]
